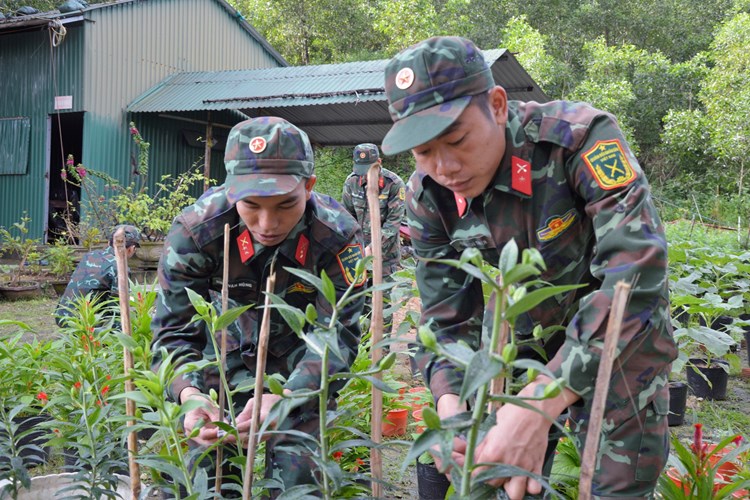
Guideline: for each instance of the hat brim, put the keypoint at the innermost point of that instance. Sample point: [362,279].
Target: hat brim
[423,126]
[240,187]
[362,168]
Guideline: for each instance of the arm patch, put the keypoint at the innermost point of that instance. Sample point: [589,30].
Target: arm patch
[609,164]
[348,257]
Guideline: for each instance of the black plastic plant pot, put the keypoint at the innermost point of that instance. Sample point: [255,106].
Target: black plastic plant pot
[714,385]
[677,403]
[431,484]
[37,436]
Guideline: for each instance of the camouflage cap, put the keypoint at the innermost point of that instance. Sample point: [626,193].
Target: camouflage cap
[266,156]
[132,235]
[428,86]
[364,156]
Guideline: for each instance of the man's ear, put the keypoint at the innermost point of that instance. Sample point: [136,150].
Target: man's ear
[309,186]
[498,101]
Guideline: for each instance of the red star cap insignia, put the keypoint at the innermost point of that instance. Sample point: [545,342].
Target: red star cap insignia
[257,145]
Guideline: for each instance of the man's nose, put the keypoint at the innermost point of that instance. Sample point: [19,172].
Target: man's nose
[446,164]
[267,220]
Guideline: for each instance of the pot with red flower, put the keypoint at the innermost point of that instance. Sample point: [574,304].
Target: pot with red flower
[700,474]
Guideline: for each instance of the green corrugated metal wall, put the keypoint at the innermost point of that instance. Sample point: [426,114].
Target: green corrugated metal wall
[27,88]
[119,52]
[132,47]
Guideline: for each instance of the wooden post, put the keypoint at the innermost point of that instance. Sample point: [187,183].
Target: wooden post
[260,368]
[124,292]
[376,323]
[603,376]
[207,153]
[222,356]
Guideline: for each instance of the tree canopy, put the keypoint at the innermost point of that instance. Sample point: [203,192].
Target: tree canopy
[676,73]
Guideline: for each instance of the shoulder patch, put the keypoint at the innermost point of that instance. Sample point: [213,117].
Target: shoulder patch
[402,193]
[348,258]
[609,165]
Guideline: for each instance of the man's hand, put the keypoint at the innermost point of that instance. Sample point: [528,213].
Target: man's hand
[244,419]
[519,437]
[448,406]
[208,412]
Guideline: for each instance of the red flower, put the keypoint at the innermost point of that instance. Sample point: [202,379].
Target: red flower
[108,377]
[69,161]
[337,455]
[77,385]
[42,396]
[81,171]
[105,390]
[133,131]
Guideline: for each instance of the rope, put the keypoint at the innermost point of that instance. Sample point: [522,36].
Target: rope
[58,32]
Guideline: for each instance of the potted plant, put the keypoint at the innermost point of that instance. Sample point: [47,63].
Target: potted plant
[696,472]
[61,264]
[431,483]
[485,364]
[23,248]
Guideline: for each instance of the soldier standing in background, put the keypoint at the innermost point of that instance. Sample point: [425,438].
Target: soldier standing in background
[268,202]
[391,195]
[559,177]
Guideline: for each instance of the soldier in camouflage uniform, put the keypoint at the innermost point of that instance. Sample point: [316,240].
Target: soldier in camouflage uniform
[391,195]
[96,274]
[268,202]
[561,178]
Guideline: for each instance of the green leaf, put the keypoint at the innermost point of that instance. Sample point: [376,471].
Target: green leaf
[508,257]
[482,369]
[275,386]
[229,317]
[532,299]
[311,313]
[329,289]
[293,316]
[431,418]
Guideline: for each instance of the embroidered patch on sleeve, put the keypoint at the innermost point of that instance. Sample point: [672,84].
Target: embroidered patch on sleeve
[402,194]
[348,258]
[556,225]
[609,164]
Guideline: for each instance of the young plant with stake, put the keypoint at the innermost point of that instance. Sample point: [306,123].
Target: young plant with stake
[515,291]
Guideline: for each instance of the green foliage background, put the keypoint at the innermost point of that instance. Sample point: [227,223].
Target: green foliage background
[676,74]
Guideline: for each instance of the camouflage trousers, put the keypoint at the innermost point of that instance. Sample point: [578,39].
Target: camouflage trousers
[631,454]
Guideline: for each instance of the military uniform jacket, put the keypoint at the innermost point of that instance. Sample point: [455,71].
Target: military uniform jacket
[95,274]
[326,239]
[391,197]
[587,208]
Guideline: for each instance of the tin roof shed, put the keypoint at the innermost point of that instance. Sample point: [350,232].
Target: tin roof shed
[336,104]
[68,77]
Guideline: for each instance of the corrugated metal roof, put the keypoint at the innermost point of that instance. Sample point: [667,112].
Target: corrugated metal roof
[42,19]
[337,104]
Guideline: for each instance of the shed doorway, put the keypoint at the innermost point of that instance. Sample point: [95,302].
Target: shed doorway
[65,138]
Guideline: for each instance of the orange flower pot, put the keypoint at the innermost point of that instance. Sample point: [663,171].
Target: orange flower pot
[417,416]
[394,422]
[418,397]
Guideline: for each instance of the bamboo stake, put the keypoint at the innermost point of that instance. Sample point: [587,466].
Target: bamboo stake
[497,386]
[207,154]
[260,368]
[376,323]
[124,292]
[614,326]
[222,356]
